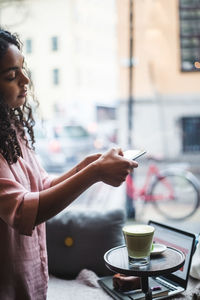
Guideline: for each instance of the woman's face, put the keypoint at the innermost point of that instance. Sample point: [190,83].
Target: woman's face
[13,81]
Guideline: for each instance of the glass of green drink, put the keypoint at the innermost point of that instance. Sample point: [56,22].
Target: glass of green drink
[138,239]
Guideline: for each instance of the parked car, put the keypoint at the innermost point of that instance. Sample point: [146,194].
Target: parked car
[61,146]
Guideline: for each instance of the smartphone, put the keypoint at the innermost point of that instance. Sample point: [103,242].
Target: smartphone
[133,154]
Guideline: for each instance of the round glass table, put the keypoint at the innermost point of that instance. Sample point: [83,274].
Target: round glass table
[171,260]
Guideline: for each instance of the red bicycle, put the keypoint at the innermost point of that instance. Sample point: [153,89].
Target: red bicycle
[174,192]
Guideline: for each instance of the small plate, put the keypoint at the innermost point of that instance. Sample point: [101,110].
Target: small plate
[158,249]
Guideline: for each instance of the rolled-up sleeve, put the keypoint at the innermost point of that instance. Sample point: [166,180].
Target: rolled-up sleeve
[18,206]
[28,213]
[20,185]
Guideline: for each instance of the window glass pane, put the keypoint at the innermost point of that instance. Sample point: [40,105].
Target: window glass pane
[190,3]
[55,76]
[69,131]
[191,134]
[54,43]
[105,113]
[187,65]
[189,14]
[28,44]
[190,27]
[190,42]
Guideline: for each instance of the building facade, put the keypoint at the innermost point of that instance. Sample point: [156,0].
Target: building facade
[166,75]
[70,49]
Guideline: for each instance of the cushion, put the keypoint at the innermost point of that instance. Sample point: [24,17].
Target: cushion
[78,240]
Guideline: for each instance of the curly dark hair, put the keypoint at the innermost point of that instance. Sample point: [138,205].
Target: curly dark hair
[14,120]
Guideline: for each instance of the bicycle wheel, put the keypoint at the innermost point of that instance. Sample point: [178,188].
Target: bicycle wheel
[175,194]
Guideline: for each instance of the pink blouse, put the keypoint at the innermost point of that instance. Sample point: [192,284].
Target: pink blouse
[23,256]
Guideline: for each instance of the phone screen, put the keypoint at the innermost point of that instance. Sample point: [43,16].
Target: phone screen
[133,154]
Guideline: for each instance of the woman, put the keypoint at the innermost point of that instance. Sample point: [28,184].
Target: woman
[28,197]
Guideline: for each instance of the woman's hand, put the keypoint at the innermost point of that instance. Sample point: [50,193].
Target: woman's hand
[113,168]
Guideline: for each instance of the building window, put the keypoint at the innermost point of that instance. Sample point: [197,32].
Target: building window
[56,76]
[191,134]
[28,45]
[105,113]
[54,43]
[189,13]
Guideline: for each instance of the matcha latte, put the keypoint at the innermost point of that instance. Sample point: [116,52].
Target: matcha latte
[138,239]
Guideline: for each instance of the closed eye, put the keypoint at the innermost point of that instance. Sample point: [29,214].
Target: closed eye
[11,75]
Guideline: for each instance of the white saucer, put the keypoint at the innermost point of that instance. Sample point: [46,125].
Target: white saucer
[158,249]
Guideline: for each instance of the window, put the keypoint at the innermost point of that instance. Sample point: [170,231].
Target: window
[189,12]
[28,45]
[54,43]
[56,76]
[71,131]
[191,134]
[105,113]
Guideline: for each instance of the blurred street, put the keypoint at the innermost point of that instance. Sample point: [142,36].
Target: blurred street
[101,196]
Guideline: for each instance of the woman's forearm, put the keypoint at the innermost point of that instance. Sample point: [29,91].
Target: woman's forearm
[59,196]
[85,162]
[64,176]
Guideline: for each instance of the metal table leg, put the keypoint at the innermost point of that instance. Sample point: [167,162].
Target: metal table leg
[145,288]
